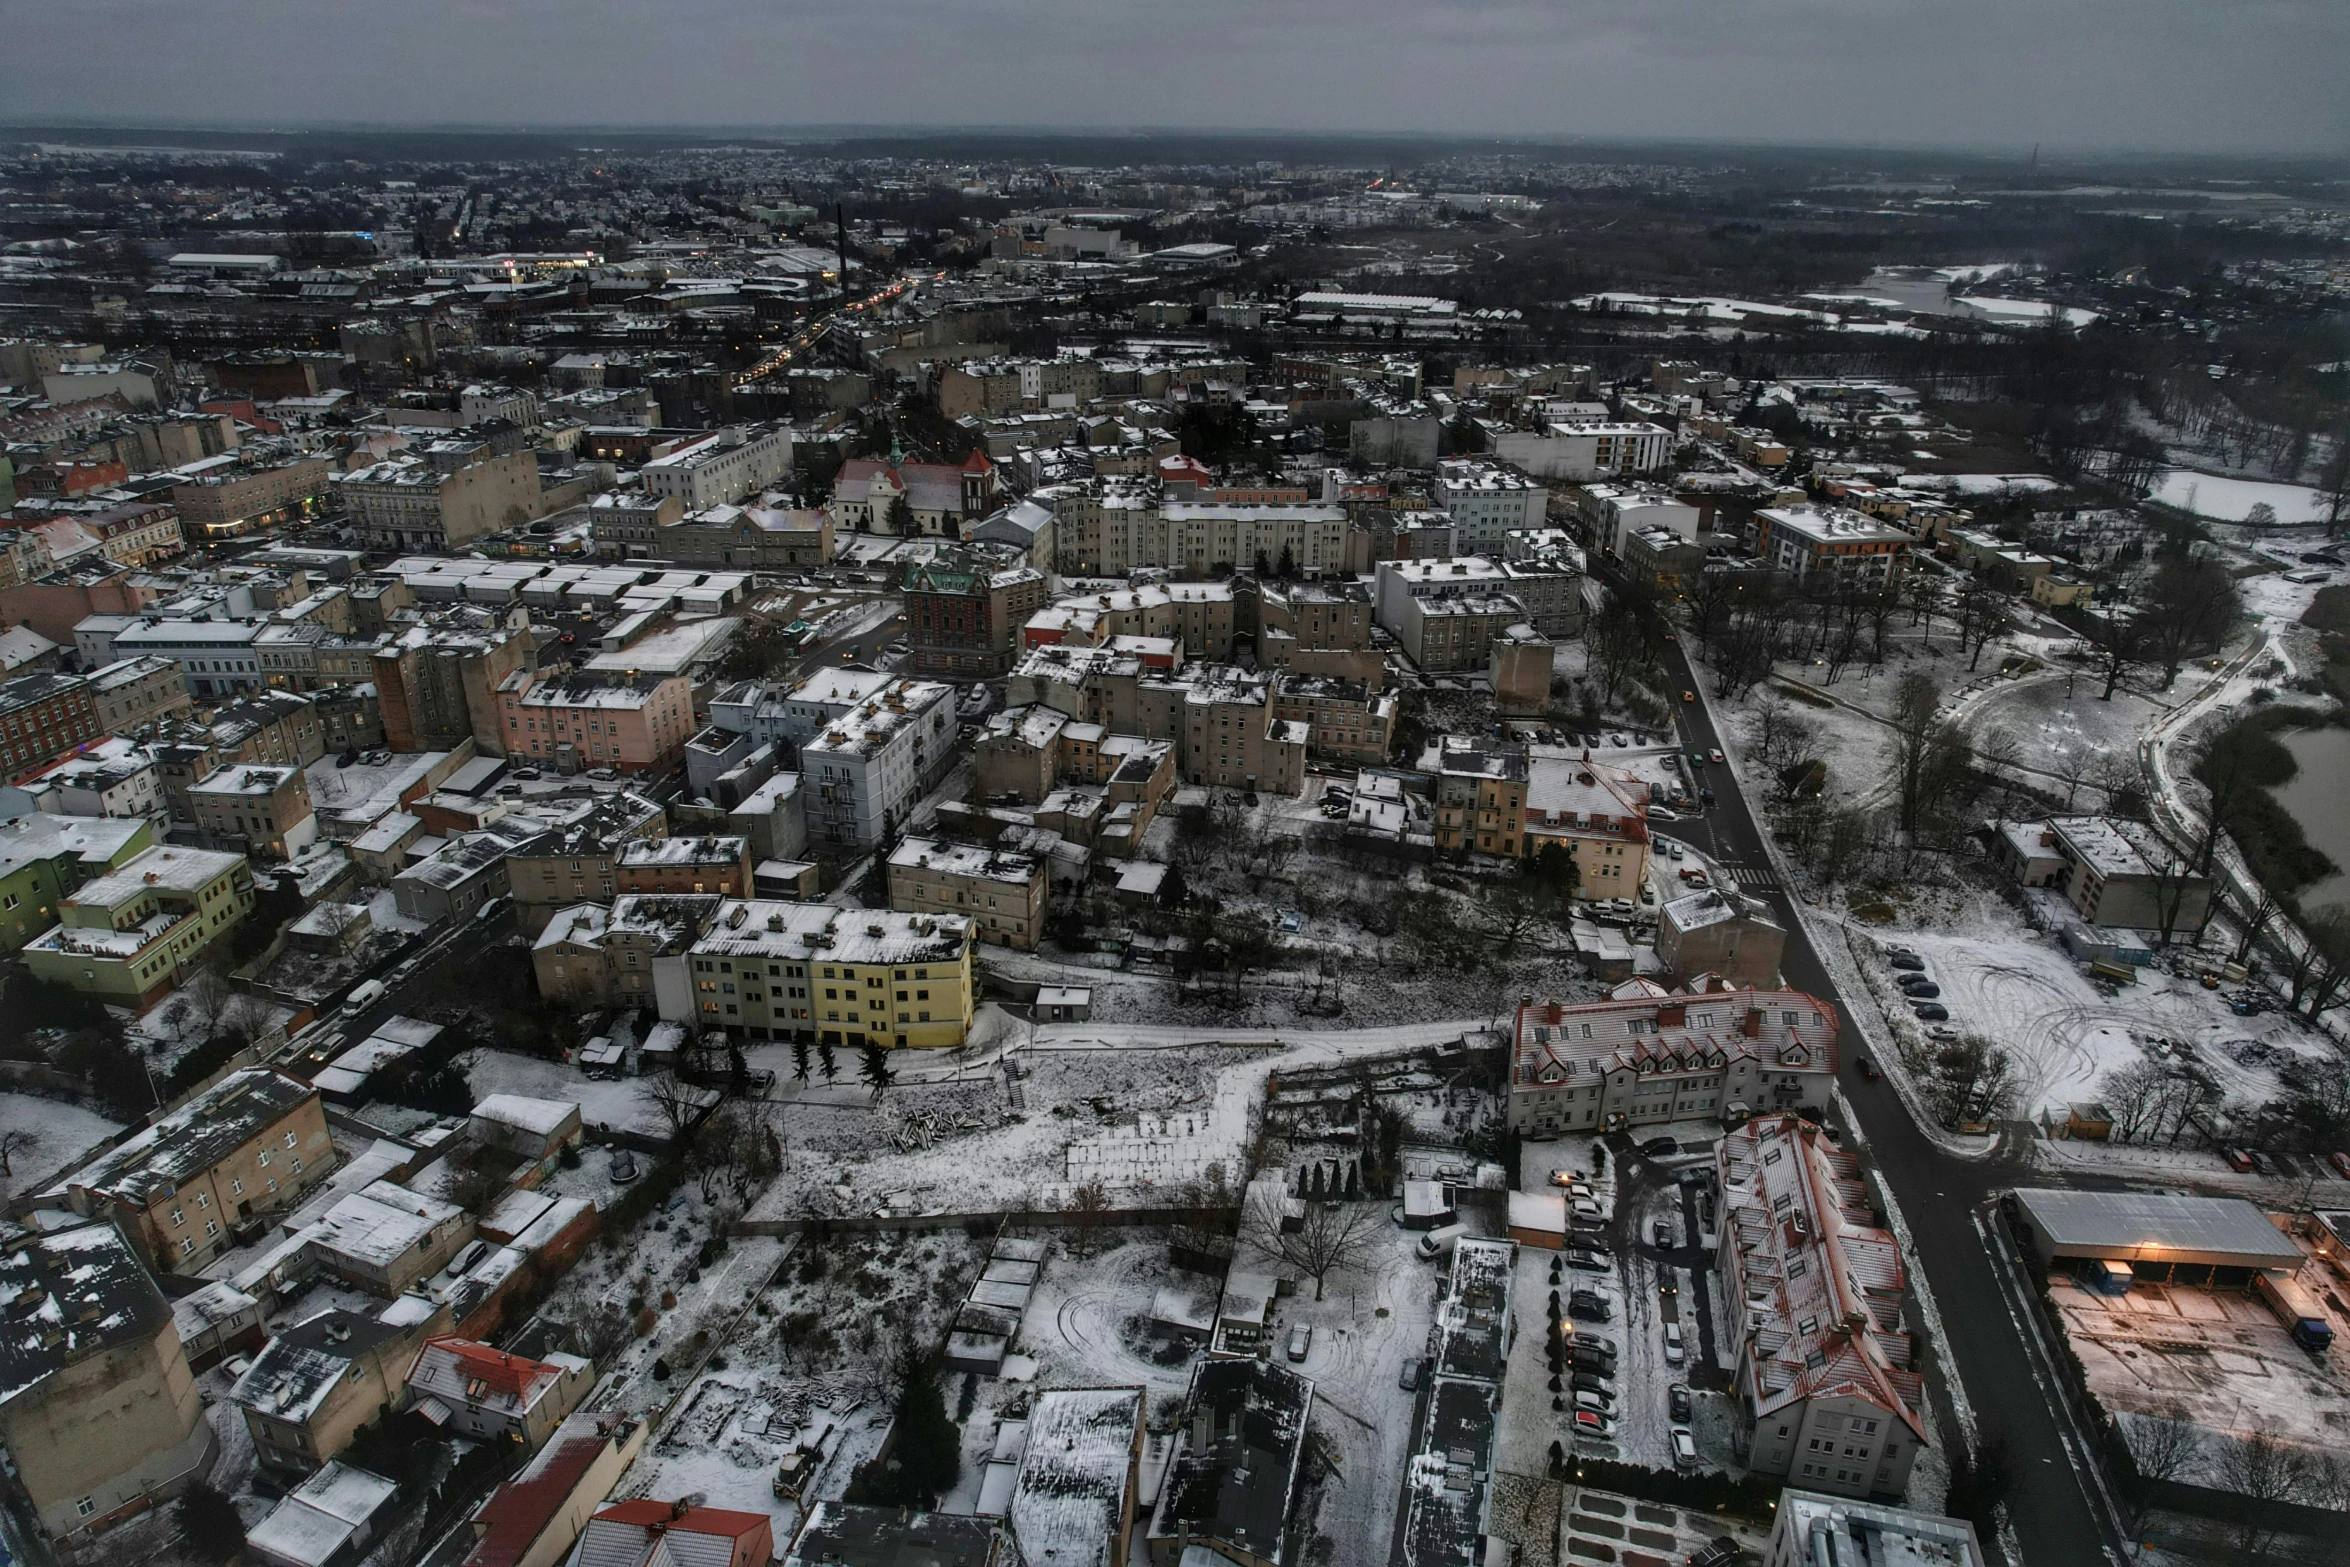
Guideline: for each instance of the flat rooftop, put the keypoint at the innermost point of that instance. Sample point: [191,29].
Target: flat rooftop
[2157,1227]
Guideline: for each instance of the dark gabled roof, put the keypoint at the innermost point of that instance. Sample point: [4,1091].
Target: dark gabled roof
[193,1138]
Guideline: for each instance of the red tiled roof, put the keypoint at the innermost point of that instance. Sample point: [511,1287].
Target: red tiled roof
[521,1510]
[695,1520]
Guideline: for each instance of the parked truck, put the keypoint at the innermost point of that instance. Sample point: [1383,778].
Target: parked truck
[2297,1309]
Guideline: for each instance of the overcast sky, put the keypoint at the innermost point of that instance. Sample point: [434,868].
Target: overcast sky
[2217,75]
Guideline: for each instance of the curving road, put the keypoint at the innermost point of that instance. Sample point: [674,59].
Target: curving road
[2057,1521]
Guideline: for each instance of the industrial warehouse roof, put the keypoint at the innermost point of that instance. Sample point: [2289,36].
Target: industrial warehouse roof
[2164,1226]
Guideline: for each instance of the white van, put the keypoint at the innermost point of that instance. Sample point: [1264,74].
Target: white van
[364,995]
[1439,1242]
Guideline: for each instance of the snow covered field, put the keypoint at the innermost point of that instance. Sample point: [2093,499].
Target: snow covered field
[2029,996]
[61,1135]
[2229,500]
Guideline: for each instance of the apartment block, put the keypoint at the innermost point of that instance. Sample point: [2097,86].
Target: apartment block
[964,616]
[571,721]
[1003,894]
[721,467]
[1645,1054]
[770,970]
[1824,1366]
[44,716]
[863,772]
[452,494]
[263,811]
[237,1154]
[129,936]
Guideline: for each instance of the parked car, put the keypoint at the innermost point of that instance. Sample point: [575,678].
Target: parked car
[1677,1403]
[1659,1148]
[1591,1360]
[1301,1340]
[1674,1354]
[1586,1261]
[1931,1011]
[363,995]
[2341,1163]
[1661,1233]
[1590,1422]
[1921,989]
[1591,1241]
[2241,1160]
[1684,1446]
[1589,1306]
[1409,1378]
[1586,1398]
[1439,1242]
[1585,1208]
[1907,960]
[1673,849]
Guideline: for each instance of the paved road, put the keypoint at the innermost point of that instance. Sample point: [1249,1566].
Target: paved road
[2056,1520]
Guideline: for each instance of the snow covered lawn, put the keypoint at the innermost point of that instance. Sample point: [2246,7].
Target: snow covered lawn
[621,1104]
[2229,500]
[61,1135]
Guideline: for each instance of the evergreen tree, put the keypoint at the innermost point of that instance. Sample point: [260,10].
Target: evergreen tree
[824,1060]
[799,1060]
[873,1068]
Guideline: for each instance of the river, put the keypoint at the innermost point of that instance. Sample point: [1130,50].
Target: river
[2318,797]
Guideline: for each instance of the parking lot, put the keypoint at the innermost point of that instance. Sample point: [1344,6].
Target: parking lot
[1647,1284]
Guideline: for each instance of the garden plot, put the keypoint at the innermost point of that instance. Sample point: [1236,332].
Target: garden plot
[736,1425]
[1135,1120]
[2065,1036]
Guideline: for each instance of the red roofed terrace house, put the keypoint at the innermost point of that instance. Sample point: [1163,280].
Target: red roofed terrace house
[535,1518]
[1647,1054]
[1815,1285]
[483,1391]
[675,1534]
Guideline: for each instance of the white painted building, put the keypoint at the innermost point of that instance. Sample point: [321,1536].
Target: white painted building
[722,467]
[1586,450]
[861,775]
[1488,500]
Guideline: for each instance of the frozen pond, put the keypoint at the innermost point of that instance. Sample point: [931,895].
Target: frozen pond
[2318,797]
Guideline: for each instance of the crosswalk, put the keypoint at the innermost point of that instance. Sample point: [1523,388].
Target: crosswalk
[1755,878]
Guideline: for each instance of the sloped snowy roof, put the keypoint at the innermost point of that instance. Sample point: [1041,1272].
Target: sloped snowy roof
[1070,1497]
[67,1295]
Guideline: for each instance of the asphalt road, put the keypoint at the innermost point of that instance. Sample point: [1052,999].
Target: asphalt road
[2057,1521]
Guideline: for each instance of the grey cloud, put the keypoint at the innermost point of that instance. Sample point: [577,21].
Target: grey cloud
[2256,75]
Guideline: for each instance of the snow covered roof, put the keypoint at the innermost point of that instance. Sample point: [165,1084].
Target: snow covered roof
[1242,1441]
[1822,1283]
[542,1117]
[844,1532]
[295,1371]
[68,1295]
[525,1507]
[1069,1502]
[193,1138]
[463,1373]
[376,1226]
[322,1515]
[2171,1226]
[647,1533]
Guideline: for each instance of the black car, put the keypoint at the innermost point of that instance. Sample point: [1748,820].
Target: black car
[1868,1068]
[1592,1382]
[1677,1403]
[1930,1011]
[1659,1148]
[1591,1357]
[1921,987]
[1587,1261]
[1661,1234]
[1590,1306]
[1908,960]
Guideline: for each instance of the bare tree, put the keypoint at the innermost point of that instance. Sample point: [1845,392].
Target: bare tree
[2119,642]
[2190,605]
[16,1140]
[2256,921]
[1982,615]
[1088,1208]
[675,1101]
[1329,1237]
[2164,1446]
[1928,752]
[2263,1472]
